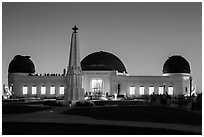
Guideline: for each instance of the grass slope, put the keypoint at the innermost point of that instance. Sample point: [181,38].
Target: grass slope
[139,113]
[81,129]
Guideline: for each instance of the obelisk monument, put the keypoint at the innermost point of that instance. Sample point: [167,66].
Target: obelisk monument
[74,90]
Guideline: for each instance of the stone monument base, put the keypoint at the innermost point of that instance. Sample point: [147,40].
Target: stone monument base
[74,95]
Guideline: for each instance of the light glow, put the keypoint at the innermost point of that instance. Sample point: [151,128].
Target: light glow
[34,90]
[132,90]
[52,90]
[161,90]
[115,96]
[151,90]
[97,85]
[142,90]
[43,90]
[25,90]
[61,90]
[170,90]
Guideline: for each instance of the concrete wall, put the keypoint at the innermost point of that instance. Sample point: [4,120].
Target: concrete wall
[110,83]
[18,81]
[177,82]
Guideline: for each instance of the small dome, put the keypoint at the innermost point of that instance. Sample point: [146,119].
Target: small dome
[102,61]
[21,64]
[176,64]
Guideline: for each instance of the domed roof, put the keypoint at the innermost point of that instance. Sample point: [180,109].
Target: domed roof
[21,64]
[102,61]
[176,64]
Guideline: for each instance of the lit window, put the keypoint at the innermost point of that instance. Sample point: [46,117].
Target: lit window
[151,90]
[43,90]
[52,90]
[25,90]
[142,90]
[132,90]
[97,85]
[170,90]
[34,90]
[161,90]
[61,91]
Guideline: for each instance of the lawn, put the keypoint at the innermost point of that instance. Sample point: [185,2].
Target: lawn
[145,113]
[18,108]
[15,128]
[153,113]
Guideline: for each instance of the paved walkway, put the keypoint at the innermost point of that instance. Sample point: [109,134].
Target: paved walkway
[54,116]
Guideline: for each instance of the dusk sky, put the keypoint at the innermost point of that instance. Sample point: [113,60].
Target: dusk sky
[142,35]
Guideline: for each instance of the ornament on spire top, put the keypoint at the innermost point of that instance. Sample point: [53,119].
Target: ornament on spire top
[75,29]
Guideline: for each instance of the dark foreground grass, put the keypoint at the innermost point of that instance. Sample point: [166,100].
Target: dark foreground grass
[161,114]
[18,108]
[16,128]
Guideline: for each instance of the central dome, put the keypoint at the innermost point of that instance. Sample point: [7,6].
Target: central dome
[102,61]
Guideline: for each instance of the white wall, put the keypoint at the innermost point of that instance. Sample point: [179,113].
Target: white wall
[127,81]
[19,81]
[110,79]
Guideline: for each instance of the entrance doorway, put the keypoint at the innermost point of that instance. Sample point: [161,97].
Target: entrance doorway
[97,87]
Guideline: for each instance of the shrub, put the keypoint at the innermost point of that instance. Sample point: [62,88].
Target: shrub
[52,103]
[84,103]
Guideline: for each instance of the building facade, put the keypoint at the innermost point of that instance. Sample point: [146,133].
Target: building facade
[102,73]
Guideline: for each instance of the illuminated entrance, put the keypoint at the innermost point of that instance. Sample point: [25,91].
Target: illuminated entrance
[97,86]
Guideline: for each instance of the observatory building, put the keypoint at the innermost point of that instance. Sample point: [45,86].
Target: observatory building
[100,73]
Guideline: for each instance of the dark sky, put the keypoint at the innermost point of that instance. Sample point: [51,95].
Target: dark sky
[142,35]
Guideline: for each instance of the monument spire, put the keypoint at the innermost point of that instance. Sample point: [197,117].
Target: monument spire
[74,78]
[74,55]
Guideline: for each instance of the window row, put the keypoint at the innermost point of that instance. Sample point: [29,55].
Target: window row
[43,90]
[151,90]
